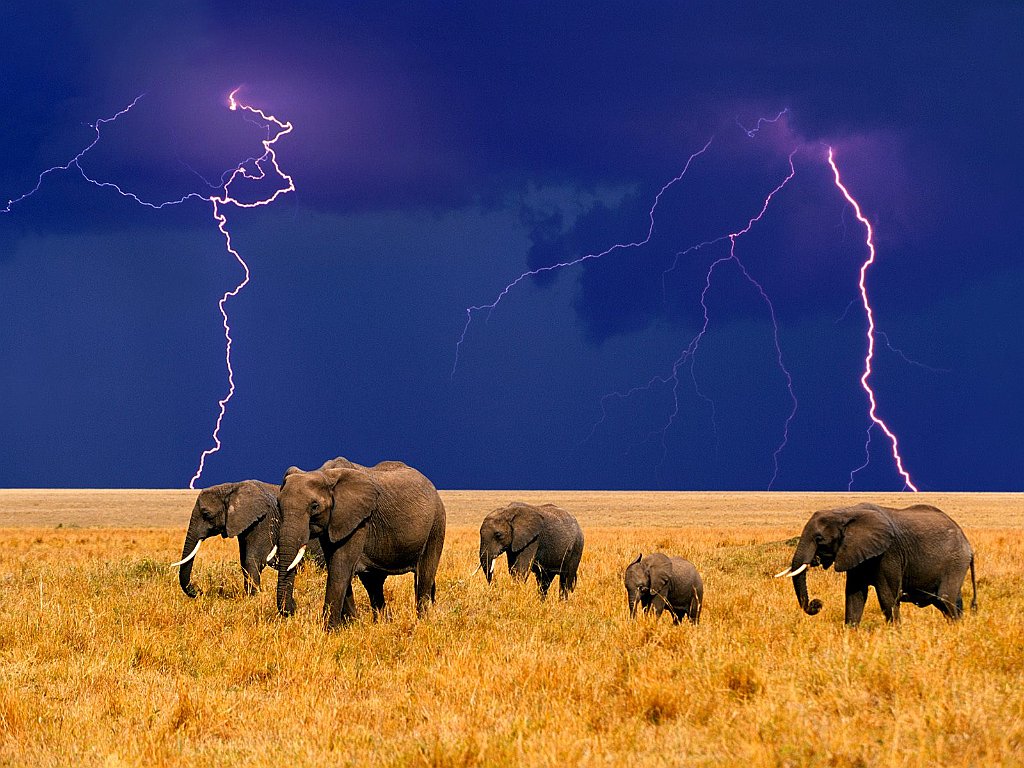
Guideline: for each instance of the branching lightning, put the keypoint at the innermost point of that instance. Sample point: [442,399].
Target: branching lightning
[224,197]
[588,257]
[866,376]
[688,355]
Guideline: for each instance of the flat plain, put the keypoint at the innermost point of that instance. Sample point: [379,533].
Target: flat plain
[103,661]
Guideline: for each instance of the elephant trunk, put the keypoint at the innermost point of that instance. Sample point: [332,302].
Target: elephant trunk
[487,564]
[634,597]
[193,538]
[802,558]
[289,552]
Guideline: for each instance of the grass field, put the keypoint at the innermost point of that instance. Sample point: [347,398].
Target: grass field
[103,661]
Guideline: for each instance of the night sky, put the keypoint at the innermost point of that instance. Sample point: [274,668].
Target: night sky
[441,150]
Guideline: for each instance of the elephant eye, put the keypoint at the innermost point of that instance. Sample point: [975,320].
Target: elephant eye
[314,506]
[207,514]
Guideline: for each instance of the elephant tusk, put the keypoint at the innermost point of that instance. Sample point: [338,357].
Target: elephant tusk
[798,571]
[272,553]
[186,559]
[780,574]
[298,557]
[491,568]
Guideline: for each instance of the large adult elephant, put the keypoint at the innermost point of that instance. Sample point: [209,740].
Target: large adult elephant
[372,522]
[546,540]
[246,509]
[914,555]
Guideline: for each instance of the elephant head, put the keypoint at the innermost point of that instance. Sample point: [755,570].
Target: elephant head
[334,502]
[509,529]
[845,537]
[228,509]
[645,579]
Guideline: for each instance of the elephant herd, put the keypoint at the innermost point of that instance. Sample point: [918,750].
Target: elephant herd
[386,520]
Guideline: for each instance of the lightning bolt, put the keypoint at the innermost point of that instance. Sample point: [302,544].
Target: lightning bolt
[226,198]
[866,376]
[588,257]
[268,159]
[689,353]
[752,132]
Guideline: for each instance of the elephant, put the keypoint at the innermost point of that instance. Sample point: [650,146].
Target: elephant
[913,555]
[246,509]
[665,583]
[546,540]
[372,522]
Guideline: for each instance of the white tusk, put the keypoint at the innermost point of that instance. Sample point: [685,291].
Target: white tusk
[298,557]
[272,553]
[799,570]
[186,559]
[491,568]
[780,574]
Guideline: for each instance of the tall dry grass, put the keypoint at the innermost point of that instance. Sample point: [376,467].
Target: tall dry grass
[104,662]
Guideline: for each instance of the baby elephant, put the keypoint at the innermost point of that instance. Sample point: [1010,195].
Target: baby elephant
[662,582]
[546,540]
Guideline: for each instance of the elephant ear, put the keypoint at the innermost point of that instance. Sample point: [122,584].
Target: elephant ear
[659,575]
[526,525]
[355,499]
[868,534]
[639,557]
[247,504]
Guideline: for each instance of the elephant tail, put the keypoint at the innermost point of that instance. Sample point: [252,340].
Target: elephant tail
[974,588]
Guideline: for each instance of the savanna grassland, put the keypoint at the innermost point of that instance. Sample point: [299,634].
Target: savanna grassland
[103,661]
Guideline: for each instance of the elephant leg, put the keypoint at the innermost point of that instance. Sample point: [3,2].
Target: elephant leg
[521,563]
[660,605]
[250,568]
[426,568]
[950,599]
[544,579]
[856,597]
[339,603]
[889,588]
[694,613]
[373,581]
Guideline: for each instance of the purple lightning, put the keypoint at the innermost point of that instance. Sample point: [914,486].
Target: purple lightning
[752,132]
[224,198]
[688,354]
[588,257]
[866,376]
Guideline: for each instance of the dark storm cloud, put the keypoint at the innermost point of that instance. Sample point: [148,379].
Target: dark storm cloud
[439,150]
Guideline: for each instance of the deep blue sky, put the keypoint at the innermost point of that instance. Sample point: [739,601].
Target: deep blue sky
[439,151]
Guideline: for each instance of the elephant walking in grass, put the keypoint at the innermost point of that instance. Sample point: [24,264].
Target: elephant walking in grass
[665,583]
[246,509]
[372,522]
[914,555]
[545,540]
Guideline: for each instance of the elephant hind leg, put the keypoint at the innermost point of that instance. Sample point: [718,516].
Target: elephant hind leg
[950,598]
[425,574]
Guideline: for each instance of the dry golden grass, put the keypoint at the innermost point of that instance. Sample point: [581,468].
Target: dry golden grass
[104,662]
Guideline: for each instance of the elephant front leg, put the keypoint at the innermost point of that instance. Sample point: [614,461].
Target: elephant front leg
[520,563]
[339,604]
[544,579]
[856,597]
[250,567]
[373,581]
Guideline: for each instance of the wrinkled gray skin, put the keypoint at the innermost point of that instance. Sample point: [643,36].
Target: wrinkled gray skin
[246,509]
[546,540]
[665,584]
[372,522]
[914,555]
